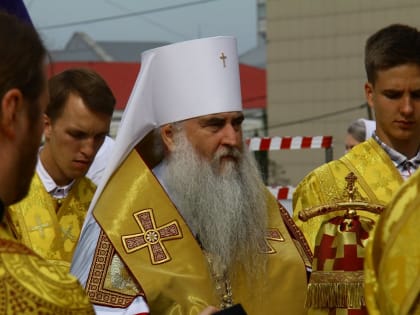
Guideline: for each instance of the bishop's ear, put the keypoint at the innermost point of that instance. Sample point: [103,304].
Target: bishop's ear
[167,133]
[11,112]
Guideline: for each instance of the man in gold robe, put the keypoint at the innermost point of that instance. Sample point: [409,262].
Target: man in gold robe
[28,283]
[380,164]
[392,261]
[202,229]
[77,119]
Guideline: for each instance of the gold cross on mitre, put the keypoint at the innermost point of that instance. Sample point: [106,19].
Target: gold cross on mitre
[223,58]
[151,236]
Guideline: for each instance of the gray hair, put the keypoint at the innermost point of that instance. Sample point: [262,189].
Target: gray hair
[357,130]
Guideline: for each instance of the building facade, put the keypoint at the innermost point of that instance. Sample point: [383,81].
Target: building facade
[315,70]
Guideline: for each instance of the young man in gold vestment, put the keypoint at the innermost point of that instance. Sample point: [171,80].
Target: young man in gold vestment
[76,121]
[202,229]
[28,283]
[380,164]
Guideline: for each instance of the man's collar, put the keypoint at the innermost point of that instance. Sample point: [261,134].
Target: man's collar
[399,160]
[50,186]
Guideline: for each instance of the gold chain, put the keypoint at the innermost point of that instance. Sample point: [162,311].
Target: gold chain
[221,280]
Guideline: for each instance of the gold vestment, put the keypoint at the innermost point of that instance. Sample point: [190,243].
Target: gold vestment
[49,226]
[377,181]
[158,256]
[392,264]
[31,285]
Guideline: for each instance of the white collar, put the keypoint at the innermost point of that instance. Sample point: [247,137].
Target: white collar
[52,188]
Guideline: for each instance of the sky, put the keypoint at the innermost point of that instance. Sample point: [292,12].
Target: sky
[145,20]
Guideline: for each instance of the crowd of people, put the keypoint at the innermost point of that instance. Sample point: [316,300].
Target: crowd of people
[177,219]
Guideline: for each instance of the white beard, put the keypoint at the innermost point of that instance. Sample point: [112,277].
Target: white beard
[225,209]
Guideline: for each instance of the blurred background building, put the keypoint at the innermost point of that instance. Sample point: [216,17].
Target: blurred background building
[315,70]
[303,77]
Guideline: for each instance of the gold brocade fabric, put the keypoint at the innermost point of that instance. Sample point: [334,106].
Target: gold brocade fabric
[49,227]
[392,264]
[166,262]
[30,285]
[377,181]
[338,241]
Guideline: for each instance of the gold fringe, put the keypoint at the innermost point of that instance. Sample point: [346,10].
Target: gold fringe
[338,294]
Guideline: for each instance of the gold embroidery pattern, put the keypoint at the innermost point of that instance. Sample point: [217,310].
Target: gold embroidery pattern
[30,285]
[95,287]
[39,227]
[272,235]
[329,189]
[151,236]
[337,276]
[378,180]
[297,236]
[53,235]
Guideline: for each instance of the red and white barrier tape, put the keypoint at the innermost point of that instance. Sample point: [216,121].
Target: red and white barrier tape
[282,192]
[288,143]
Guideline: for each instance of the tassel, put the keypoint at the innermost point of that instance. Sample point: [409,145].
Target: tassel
[335,294]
